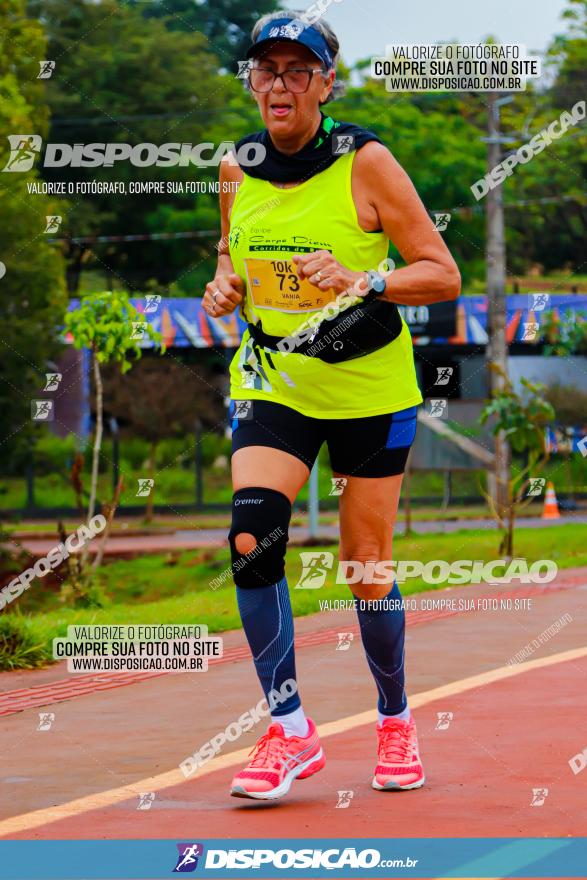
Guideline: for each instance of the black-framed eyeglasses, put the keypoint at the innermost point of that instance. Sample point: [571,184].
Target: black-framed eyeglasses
[296,79]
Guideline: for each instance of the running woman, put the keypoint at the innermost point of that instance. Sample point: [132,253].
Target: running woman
[308,229]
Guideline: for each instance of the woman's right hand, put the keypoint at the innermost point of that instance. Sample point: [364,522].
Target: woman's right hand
[223,295]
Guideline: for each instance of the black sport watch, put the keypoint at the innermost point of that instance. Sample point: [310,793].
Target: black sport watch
[376,285]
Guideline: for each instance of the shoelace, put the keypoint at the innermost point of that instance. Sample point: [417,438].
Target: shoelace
[395,744]
[267,750]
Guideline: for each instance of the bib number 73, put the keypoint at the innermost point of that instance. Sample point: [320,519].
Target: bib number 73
[284,270]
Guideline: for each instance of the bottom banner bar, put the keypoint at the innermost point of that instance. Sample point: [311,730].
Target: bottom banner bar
[298,857]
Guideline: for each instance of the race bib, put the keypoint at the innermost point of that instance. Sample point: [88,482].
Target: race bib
[274,284]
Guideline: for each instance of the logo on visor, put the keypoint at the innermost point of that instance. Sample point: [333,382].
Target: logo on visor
[290,31]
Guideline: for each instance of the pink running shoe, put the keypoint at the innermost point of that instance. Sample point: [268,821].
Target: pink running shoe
[399,767]
[277,761]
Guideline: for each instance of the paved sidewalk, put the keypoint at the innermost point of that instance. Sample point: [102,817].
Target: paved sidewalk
[193,539]
[512,730]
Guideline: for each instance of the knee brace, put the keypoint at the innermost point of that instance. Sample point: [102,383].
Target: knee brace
[264,514]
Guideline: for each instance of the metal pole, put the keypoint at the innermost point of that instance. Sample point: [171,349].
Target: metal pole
[313,501]
[447,489]
[30,477]
[198,465]
[497,349]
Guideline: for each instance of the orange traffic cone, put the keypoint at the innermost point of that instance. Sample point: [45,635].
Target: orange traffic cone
[550,510]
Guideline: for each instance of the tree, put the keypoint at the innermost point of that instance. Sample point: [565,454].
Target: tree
[437,140]
[568,53]
[157,401]
[549,225]
[110,326]
[32,289]
[133,80]
[523,418]
[563,336]
[226,24]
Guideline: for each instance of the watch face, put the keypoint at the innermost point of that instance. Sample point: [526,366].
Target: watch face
[376,282]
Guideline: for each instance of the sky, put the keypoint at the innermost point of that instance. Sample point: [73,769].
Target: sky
[365,27]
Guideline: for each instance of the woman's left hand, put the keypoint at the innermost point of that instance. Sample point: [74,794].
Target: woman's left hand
[323,271]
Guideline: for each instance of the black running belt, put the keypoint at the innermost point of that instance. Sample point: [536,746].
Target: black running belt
[354,332]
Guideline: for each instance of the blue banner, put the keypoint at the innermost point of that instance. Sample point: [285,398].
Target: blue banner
[183,322]
[566,439]
[286,858]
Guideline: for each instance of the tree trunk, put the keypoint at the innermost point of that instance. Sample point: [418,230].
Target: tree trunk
[509,550]
[109,518]
[97,446]
[506,544]
[150,496]
[76,481]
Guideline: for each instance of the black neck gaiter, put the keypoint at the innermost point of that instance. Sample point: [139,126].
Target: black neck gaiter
[315,156]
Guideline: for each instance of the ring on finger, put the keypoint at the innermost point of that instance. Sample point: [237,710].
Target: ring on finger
[318,276]
[214,295]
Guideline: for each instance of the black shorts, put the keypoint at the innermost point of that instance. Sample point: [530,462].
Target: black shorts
[373,446]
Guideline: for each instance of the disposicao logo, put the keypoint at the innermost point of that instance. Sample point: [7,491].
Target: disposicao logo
[189,854]
[24,149]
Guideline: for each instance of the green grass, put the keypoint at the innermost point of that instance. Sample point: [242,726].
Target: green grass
[175,588]
[20,646]
[175,485]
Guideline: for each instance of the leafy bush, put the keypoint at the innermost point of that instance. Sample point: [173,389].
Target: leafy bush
[570,404]
[12,557]
[19,648]
[177,451]
[183,448]
[135,451]
[125,467]
[54,454]
[564,335]
[84,592]
[214,445]
[174,485]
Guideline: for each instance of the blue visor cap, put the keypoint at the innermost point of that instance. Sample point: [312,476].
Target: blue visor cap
[292,30]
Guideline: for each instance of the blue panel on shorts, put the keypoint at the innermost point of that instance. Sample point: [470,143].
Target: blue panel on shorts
[234,423]
[403,428]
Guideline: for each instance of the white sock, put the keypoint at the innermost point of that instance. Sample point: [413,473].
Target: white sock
[403,716]
[294,723]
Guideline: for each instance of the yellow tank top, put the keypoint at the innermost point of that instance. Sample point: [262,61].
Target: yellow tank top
[271,224]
